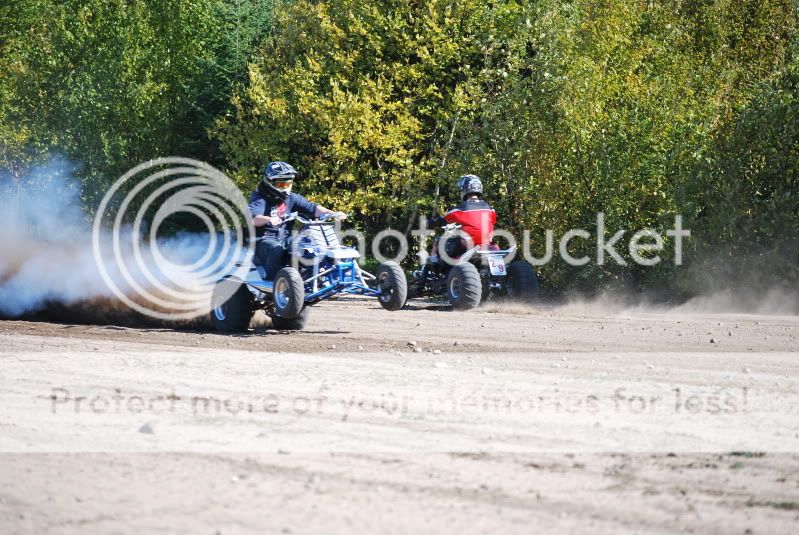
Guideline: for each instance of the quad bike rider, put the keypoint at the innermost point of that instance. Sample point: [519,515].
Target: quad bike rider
[465,265]
[270,204]
[293,269]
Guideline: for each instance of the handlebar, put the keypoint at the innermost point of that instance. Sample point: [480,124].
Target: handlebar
[293,216]
[332,215]
[324,218]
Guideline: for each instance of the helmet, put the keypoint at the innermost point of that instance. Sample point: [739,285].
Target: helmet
[468,184]
[280,175]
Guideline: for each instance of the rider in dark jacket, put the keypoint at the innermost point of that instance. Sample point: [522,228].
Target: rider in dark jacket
[272,202]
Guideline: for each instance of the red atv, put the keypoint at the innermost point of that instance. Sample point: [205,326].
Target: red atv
[477,274]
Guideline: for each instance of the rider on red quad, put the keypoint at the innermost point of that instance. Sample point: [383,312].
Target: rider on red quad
[272,202]
[473,214]
[471,269]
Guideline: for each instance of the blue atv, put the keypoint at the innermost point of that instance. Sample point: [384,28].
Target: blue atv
[318,267]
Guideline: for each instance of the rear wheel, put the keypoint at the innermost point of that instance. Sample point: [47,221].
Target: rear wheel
[393,286]
[293,324]
[464,288]
[231,306]
[288,293]
[522,283]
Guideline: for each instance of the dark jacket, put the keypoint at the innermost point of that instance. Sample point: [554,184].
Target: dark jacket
[263,202]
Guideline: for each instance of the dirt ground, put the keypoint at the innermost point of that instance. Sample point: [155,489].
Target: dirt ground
[504,419]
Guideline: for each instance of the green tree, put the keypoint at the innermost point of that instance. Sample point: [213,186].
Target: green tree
[614,107]
[365,98]
[641,110]
[113,83]
[748,217]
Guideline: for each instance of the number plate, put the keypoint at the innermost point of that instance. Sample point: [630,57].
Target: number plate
[497,265]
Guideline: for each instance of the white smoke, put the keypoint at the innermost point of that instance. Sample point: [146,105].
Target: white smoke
[46,251]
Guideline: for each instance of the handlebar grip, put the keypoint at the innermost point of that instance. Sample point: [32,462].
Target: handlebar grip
[332,215]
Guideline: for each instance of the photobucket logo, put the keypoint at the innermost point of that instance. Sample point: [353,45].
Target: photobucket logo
[642,248]
[170,278]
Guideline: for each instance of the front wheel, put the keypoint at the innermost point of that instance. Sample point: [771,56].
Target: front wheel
[288,293]
[464,288]
[393,286]
[522,283]
[231,306]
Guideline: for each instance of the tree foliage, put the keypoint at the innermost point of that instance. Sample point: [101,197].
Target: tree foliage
[113,83]
[366,97]
[565,109]
[638,109]
[619,108]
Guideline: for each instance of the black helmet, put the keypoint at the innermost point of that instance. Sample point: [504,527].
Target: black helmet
[279,175]
[468,184]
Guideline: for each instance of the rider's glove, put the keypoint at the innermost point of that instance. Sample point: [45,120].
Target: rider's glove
[436,221]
